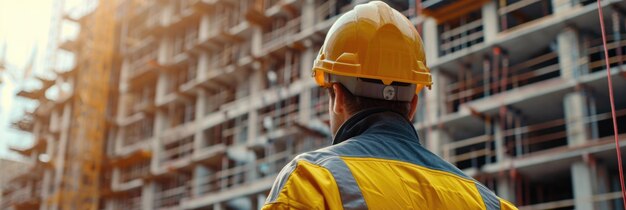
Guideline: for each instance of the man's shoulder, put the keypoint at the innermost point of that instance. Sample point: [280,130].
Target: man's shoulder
[317,156]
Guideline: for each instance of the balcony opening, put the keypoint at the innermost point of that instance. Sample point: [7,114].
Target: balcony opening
[235,131]
[281,115]
[170,191]
[479,80]
[141,99]
[319,104]
[326,10]
[471,148]
[544,190]
[278,34]
[284,72]
[514,13]
[131,200]
[593,51]
[135,171]
[177,149]
[217,98]
[460,33]
[215,136]
[181,113]
[138,131]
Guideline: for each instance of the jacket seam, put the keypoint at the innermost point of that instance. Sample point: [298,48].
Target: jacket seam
[356,158]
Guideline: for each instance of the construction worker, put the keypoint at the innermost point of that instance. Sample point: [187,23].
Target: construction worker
[373,65]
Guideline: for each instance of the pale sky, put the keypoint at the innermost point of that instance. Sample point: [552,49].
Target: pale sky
[24,27]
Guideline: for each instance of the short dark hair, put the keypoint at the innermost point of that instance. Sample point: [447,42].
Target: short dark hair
[357,103]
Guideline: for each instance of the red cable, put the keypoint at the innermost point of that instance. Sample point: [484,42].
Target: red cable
[608,76]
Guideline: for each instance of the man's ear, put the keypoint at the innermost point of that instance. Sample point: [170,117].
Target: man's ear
[339,102]
[413,106]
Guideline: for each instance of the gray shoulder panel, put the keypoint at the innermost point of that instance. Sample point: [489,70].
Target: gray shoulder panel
[280,181]
[491,200]
[351,196]
[349,191]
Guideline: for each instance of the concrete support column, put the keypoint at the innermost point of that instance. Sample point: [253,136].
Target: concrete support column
[306,62]
[115,179]
[167,13]
[203,65]
[498,137]
[255,93]
[160,121]
[124,74]
[201,103]
[562,6]
[119,137]
[490,21]
[45,187]
[308,14]
[505,189]
[260,200]
[218,206]
[575,108]
[203,30]
[431,40]
[569,53]
[200,174]
[164,50]
[437,139]
[435,98]
[583,184]
[147,196]
[256,42]
[161,87]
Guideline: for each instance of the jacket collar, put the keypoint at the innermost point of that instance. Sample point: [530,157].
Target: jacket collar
[378,119]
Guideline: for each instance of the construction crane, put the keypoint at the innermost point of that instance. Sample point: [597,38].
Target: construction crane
[84,159]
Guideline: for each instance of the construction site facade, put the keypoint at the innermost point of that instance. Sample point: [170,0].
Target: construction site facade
[209,99]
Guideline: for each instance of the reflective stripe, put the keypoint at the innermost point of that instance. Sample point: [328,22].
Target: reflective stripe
[351,196]
[491,201]
[280,181]
[370,145]
[349,191]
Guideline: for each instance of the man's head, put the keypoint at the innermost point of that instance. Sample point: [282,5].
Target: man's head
[343,104]
[372,57]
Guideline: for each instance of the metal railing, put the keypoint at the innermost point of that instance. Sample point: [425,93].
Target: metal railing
[319,103]
[140,64]
[521,140]
[593,55]
[460,33]
[217,99]
[171,196]
[235,130]
[177,149]
[138,132]
[134,172]
[280,35]
[132,203]
[524,11]
[285,115]
[570,203]
[471,86]
[242,175]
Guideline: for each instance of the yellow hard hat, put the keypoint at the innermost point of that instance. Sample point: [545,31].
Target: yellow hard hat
[374,51]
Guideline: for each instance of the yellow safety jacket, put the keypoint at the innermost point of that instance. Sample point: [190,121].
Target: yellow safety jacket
[377,162]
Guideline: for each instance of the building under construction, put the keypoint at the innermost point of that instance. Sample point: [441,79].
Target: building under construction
[202,102]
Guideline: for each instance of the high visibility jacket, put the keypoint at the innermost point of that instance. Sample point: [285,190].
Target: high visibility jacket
[377,162]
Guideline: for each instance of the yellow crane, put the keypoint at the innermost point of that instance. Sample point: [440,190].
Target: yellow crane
[85,155]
